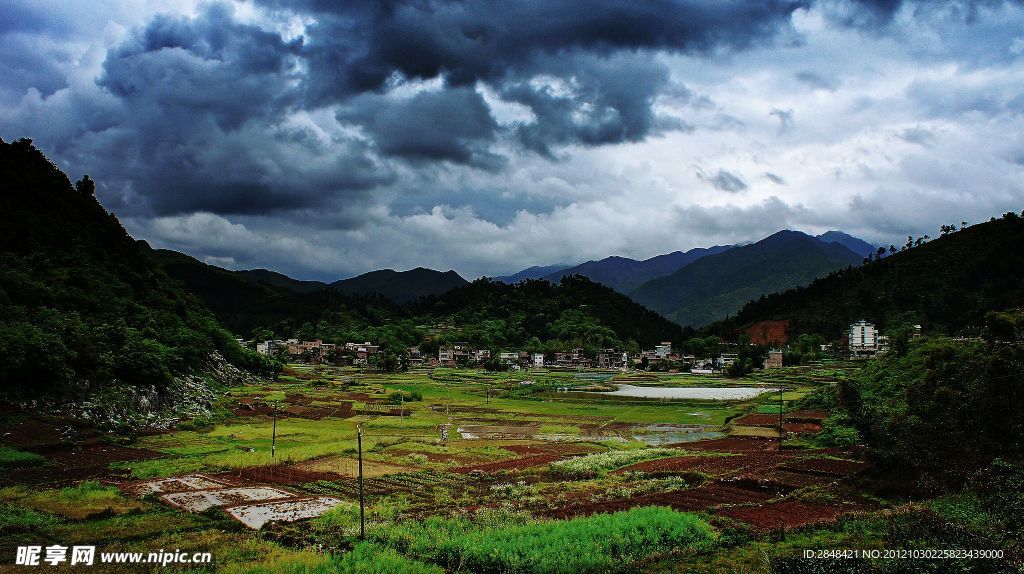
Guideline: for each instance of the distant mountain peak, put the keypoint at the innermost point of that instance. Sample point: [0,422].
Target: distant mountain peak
[858,246]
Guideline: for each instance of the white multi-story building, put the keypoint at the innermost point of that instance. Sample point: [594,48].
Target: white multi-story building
[537,359]
[663,350]
[866,341]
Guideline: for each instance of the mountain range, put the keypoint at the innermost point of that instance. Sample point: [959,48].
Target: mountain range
[720,278]
[691,288]
[718,285]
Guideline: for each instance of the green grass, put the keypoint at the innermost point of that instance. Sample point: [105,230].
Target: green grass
[498,543]
[85,500]
[13,458]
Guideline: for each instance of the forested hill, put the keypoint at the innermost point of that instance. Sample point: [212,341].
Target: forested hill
[575,311]
[719,284]
[247,303]
[79,302]
[487,313]
[946,285]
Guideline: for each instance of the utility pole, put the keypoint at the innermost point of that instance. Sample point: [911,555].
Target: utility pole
[273,436]
[362,512]
[782,428]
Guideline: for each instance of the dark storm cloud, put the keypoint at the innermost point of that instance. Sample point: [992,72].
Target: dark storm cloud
[725,181]
[598,46]
[204,104]
[204,126]
[606,100]
[357,46]
[877,14]
[451,125]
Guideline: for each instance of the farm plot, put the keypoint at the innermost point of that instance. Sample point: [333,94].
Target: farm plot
[256,516]
[178,484]
[418,484]
[200,500]
[514,464]
[349,467]
[696,499]
[786,514]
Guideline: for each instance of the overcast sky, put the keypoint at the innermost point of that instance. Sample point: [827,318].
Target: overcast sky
[326,139]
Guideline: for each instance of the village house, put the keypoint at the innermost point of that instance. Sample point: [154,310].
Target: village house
[537,359]
[774,359]
[726,360]
[612,359]
[573,359]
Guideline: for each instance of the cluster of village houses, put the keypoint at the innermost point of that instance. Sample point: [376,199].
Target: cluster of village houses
[862,341]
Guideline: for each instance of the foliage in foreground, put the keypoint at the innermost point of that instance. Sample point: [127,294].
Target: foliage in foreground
[493,543]
[945,407]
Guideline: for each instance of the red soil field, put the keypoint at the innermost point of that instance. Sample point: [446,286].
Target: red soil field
[757,420]
[825,466]
[806,416]
[277,474]
[788,514]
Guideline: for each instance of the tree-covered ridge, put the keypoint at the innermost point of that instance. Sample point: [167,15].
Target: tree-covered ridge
[947,284]
[576,311]
[534,314]
[79,302]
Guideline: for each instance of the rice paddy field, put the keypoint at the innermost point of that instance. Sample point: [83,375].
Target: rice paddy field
[462,471]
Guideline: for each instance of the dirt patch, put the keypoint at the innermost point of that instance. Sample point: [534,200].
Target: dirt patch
[349,467]
[255,516]
[278,474]
[757,421]
[825,466]
[787,514]
[200,500]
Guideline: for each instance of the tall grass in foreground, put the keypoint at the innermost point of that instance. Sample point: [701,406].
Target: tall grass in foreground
[600,543]
[593,465]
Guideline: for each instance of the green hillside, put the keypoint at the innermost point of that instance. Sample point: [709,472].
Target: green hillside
[79,302]
[718,285]
[946,285]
